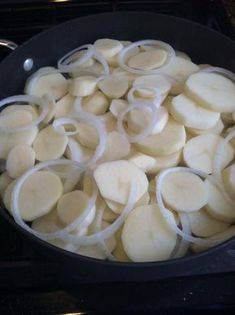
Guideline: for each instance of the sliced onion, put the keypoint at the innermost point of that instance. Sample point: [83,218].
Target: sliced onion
[63,233]
[99,126]
[121,56]
[97,56]
[25,99]
[183,246]
[147,131]
[226,73]
[165,212]
[133,99]
[57,123]
[69,62]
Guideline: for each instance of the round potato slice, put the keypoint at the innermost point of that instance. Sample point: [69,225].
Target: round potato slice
[49,144]
[155,80]
[16,107]
[229,180]
[64,106]
[108,47]
[148,60]
[19,160]
[114,87]
[39,194]
[96,103]
[170,140]
[146,236]
[216,129]
[114,180]
[16,119]
[71,205]
[184,191]
[83,86]
[5,181]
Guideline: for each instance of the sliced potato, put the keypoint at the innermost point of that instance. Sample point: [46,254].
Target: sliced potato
[96,103]
[117,147]
[228,175]
[5,181]
[108,47]
[64,106]
[148,60]
[83,86]
[113,86]
[216,129]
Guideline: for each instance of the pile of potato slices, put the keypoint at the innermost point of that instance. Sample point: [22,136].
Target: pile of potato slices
[123,151]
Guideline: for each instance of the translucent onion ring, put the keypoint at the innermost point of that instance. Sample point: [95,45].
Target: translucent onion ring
[147,131]
[63,121]
[183,245]
[165,46]
[226,73]
[157,100]
[25,99]
[63,233]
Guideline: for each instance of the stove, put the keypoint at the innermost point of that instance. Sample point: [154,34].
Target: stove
[31,283]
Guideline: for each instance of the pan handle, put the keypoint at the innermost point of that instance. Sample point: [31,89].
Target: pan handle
[8,44]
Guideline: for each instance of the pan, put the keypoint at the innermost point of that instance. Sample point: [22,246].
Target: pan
[202,44]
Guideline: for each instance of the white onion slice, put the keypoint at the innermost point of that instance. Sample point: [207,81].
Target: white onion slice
[183,246]
[69,62]
[97,56]
[99,126]
[226,73]
[121,56]
[25,99]
[65,121]
[133,99]
[164,210]
[147,131]
[63,233]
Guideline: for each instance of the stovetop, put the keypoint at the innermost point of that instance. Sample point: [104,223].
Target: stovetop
[32,284]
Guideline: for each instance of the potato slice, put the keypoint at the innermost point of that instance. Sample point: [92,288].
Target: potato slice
[117,147]
[64,106]
[5,181]
[117,106]
[108,47]
[16,119]
[109,216]
[212,91]
[49,144]
[16,107]
[114,180]
[47,223]
[113,86]
[71,205]
[216,129]
[218,206]
[203,225]
[188,113]
[19,160]
[148,60]
[154,80]
[96,103]
[199,152]
[7,195]
[153,164]
[170,140]
[184,192]
[83,86]
[76,152]
[109,121]
[10,140]
[39,194]
[143,234]
[229,180]
[87,135]
[119,251]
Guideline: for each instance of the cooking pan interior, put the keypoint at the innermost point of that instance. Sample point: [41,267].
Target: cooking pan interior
[202,44]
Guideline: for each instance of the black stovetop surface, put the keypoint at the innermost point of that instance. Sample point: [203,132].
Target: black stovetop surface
[31,283]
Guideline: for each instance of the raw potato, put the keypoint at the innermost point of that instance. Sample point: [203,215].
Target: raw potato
[5,181]
[109,121]
[76,152]
[64,106]
[71,205]
[96,251]
[83,86]
[218,205]
[119,251]
[188,113]
[52,108]
[114,180]
[96,103]
[16,119]
[203,225]
[199,152]
[184,192]
[182,55]
[109,216]
[19,160]
[154,80]
[117,106]
[169,141]
[229,180]
[108,48]
[212,91]
[148,60]
[117,207]
[113,86]
[179,70]
[153,164]
[48,223]
[117,147]
[216,129]
[146,235]
[53,84]
[16,107]
[49,144]
[7,195]
[9,140]
[87,135]
[138,119]
[39,194]
[222,236]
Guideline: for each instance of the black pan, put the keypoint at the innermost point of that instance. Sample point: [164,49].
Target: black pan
[201,43]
